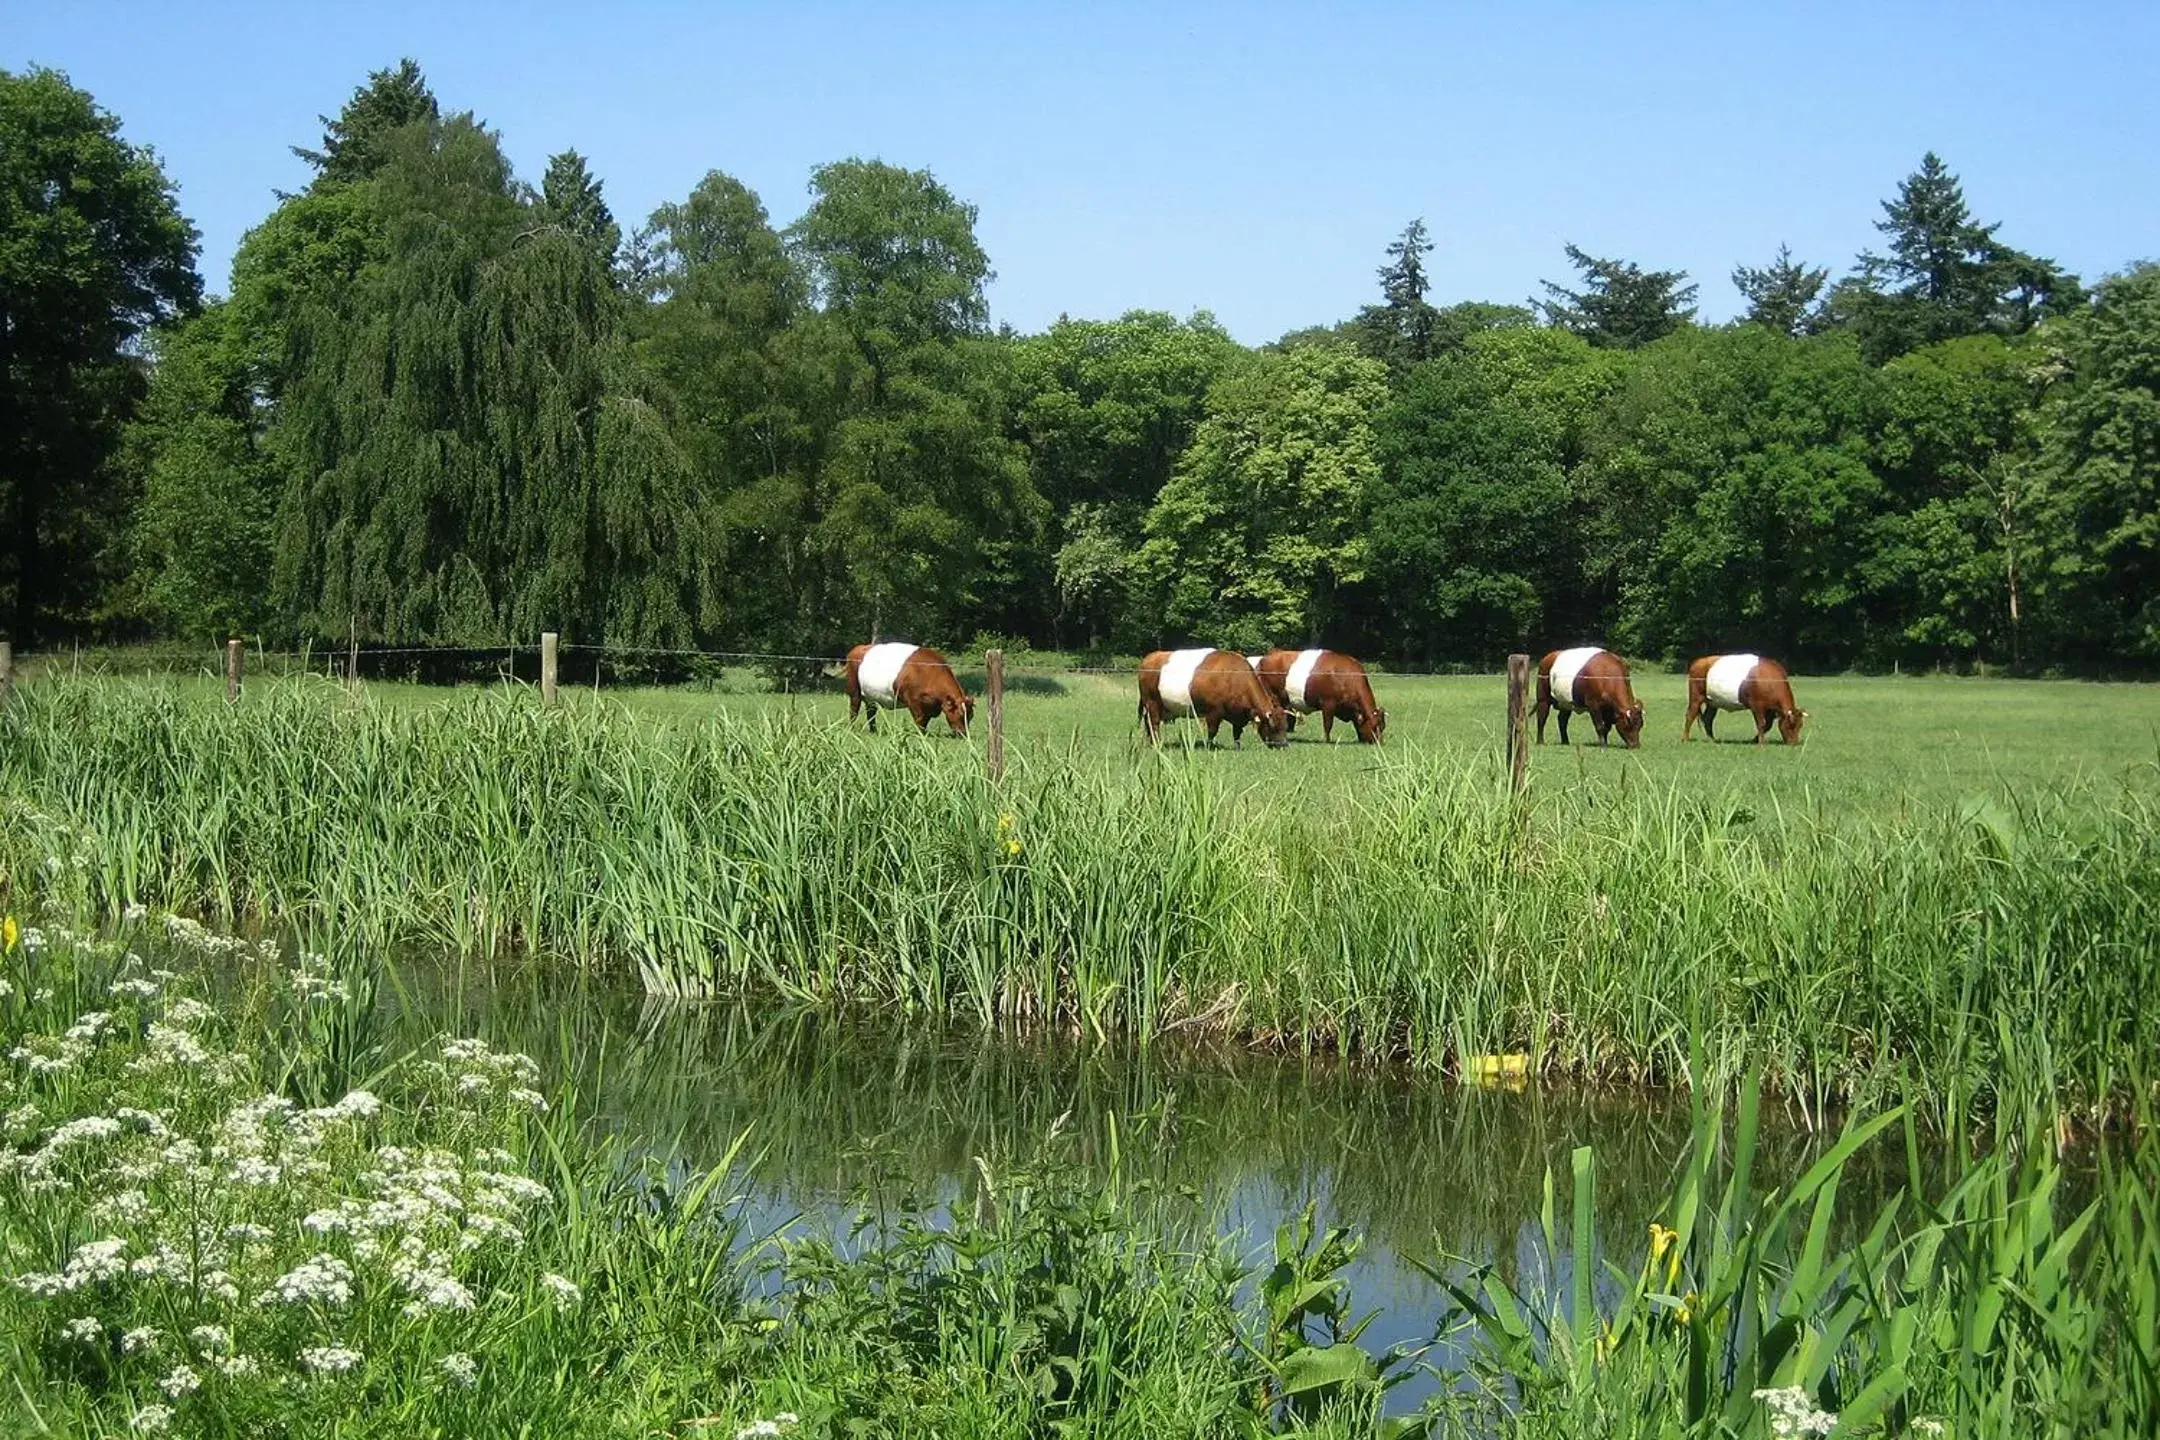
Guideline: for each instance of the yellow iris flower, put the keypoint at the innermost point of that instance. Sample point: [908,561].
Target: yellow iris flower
[10,932]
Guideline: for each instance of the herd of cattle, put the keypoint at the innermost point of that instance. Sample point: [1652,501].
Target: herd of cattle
[1269,692]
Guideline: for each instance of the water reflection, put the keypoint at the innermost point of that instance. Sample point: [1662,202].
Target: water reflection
[838,1108]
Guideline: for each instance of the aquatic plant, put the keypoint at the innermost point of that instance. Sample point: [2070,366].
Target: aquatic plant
[1950,956]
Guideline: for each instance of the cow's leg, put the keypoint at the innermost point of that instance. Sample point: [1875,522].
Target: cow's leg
[922,713]
[1212,722]
[1564,717]
[873,718]
[1327,723]
[1709,714]
[854,701]
[1603,722]
[1544,703]
[1237,733]
[1762,723]
[1694,708]
[1151,718]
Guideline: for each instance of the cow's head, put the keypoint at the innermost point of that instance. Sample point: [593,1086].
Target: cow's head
[1629,723]
[1273,723]
[1788,723]
[959,713]
[1372,725]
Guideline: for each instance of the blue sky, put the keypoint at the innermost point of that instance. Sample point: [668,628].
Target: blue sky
[1250,160]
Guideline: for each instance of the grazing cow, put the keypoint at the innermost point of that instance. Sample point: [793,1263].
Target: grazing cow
[1742,682]
[913,677]
[1215,685]
[1594,680]
[1334,684]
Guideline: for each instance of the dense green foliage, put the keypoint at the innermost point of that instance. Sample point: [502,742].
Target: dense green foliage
[93,253]
[445,406]
[1981,952]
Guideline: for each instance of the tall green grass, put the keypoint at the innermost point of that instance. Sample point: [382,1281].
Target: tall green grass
[1966,953]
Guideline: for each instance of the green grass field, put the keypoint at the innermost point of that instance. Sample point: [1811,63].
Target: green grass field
[1966,903]
[1872,743]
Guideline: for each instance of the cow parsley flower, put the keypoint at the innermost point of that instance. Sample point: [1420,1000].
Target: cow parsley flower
[325,1280]
[562,1289]
[433,1290]
[237,1367]
[152,1419]
[134,913]
[329,1359]
[460,1369]
[182,1381]
[1793,1415]
[779,1424]
[86,1328]
[142,1337]
[211,1339]
[187,1010]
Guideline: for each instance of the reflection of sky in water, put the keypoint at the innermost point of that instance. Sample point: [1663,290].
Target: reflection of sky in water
[835,1110]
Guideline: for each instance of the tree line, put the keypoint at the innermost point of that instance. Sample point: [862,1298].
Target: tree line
[444,406]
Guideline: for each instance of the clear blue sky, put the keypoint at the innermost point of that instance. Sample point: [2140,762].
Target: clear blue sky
[1250,160]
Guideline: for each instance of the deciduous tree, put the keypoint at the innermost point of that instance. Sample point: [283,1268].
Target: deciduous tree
[94,254]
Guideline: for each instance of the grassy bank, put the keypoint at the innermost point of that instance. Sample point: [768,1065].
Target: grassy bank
[1969,952]
[226,1209]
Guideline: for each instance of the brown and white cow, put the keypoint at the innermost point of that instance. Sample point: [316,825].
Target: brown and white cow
[1592,680]
[1742,682]
[1327,681]
[1215,686]
[911,677]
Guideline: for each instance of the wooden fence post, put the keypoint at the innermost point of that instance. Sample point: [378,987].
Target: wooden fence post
[7,671]
[235,657]
[549,642]
[994,753]
[1518,717]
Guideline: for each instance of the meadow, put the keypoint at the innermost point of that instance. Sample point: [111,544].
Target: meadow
[1948,893]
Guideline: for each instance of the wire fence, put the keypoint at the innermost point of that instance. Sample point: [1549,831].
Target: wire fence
[623,664]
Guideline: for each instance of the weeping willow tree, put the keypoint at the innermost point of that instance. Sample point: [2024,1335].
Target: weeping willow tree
[472,460]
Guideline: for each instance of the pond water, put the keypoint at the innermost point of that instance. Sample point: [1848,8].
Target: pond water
[836,1110]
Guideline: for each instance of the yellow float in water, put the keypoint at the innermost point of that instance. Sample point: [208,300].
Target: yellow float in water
[1494,1070]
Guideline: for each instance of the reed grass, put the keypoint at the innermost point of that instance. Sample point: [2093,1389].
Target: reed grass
[1958,954]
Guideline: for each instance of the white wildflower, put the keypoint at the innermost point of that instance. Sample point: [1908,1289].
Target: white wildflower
[135,987]
[325,1279]
[129,1207]
[142,1337]
[460,1369]
[33,939]
[211,1339]
[329,1359]
[433,1290]
[152,1419]
[91,1264]
[187,1010]
[182,1381]
[563,1290]
[86,1328]
[235,1367]
[134,912]
[90,1025]
[531,1098]
[246,1232]
[249,1170]
[22,1117]
[1793,1415]
[779,1424]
